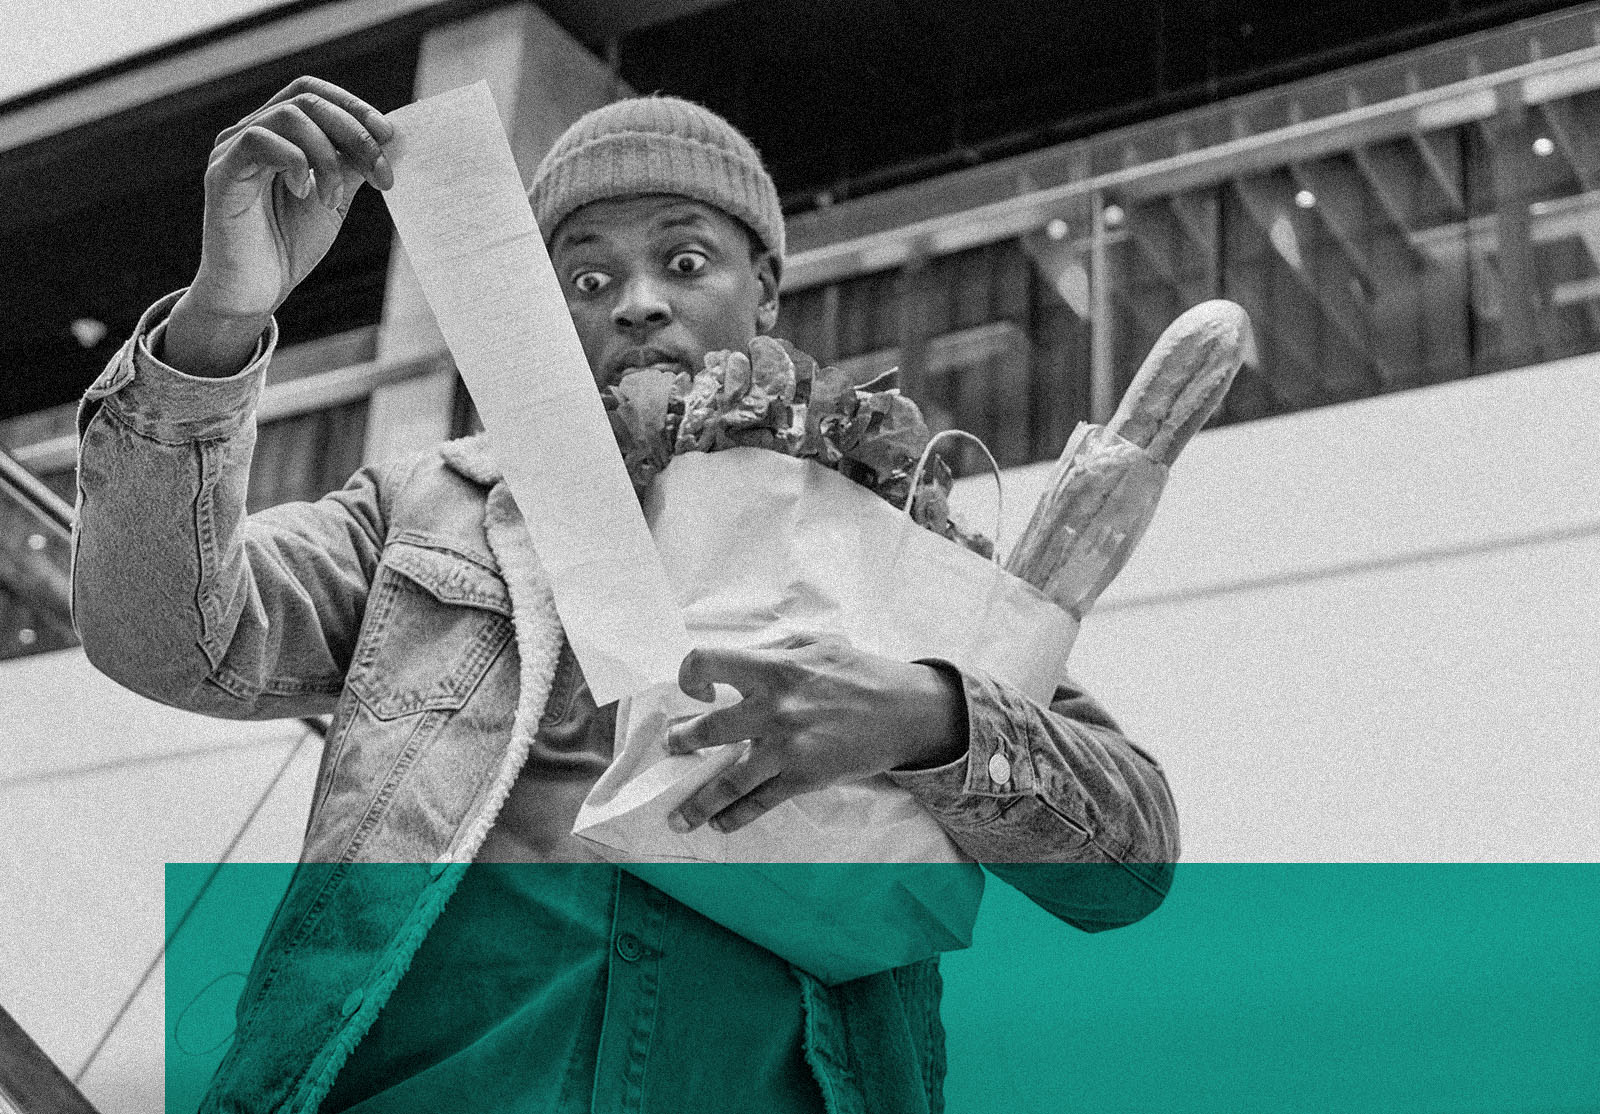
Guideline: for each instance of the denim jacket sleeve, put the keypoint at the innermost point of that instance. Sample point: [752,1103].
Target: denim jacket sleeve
[1056,801]
[176,593]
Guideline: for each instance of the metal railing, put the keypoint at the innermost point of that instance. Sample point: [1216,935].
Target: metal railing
[31,574]
[30,1081]
[31,567]
[1403,223]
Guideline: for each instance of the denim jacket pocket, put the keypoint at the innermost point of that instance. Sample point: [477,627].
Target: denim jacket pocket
[435,622]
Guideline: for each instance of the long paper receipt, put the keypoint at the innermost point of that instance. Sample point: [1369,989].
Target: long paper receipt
[465,222]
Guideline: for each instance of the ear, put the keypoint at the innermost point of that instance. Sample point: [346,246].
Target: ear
[767,268]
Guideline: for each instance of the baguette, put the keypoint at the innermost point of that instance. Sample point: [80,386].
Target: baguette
[1183,380]
[1077,538]
[1081,482]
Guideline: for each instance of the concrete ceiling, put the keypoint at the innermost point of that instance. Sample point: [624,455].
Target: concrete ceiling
[596,21]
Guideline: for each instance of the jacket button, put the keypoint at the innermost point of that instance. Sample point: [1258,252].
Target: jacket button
[999,769]
[629,947]
[352,1003]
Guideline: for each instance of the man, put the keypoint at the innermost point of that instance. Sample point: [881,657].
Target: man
[410,604]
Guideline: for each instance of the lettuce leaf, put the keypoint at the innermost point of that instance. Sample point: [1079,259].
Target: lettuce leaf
[776,397]
[637,408]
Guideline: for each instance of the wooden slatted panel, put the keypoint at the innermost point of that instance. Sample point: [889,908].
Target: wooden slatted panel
[1401,261]
[1006,359]
[305,457]
[1058,396]
[801,322]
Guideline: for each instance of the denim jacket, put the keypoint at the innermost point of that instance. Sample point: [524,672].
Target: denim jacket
[411,606]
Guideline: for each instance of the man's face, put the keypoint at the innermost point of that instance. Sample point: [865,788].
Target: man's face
[659,280]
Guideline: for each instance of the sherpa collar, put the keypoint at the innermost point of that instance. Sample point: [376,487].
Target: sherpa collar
[470,456]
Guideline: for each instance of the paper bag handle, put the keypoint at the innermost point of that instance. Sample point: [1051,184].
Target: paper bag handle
[999,488]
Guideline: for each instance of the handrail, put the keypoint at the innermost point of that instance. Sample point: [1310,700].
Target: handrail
[288,399]
[30,1081]
[27,570]
[30,491]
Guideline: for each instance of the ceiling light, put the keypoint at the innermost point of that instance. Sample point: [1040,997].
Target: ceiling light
[27,636]
[89,331]
[1305,199]
[1280,233]
[36,542]
[1056,229]
[1544,147]
[1072,283]
[1113,215]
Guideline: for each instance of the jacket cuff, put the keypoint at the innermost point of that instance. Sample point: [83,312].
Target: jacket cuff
[998,763]
[162,403]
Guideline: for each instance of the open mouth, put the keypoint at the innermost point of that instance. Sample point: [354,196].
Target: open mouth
[649,360]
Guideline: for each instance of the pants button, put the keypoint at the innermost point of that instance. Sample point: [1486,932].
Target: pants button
[629,947]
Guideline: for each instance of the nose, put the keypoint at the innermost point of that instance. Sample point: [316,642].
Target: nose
[642,305]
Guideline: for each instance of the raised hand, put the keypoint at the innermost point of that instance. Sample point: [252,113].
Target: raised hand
[278,186]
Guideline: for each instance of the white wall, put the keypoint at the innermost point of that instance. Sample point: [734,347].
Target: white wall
[99,789]
[1368,632]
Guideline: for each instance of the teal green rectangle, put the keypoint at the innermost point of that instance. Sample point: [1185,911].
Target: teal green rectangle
[1450,988]
[1337,988]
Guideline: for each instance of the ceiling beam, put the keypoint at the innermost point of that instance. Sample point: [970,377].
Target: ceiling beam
[1548,220]
[214,58]
[1064,265]
[1398,186]
[1169,231]
[595,21]
[1268,199]
[1441,154]
[1199,215]
[1575,292]
[1397,292]
[1335,291]
[1391,182]
[1340,202]
[1476,243]
[1169,245]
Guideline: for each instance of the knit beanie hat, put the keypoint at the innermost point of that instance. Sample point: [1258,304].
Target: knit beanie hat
[657,145]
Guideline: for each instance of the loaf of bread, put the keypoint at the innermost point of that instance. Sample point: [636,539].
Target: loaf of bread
[1183,380]
[1104,487]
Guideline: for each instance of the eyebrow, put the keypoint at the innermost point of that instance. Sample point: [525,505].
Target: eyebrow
[568,240]
[687,219]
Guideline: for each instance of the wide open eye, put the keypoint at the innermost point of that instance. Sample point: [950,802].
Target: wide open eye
[591,282]
[686,263]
